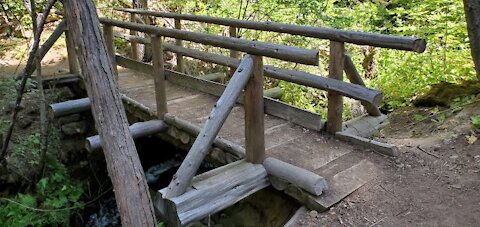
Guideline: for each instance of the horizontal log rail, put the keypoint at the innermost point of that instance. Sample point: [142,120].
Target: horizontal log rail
[287,53]
[368,96]
[360,38]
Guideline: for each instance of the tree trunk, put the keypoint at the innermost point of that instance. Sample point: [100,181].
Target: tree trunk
[143,51]
[472,15]
[123,164]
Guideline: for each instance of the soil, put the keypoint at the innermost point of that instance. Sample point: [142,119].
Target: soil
[435,181]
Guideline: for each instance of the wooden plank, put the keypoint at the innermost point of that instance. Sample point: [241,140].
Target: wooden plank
[287,53]
[159,76]
[273,107]
[72,53]
[383,148]
[138,130]
[254,114]
[335,100]
[340,186]
[360,38]
[355,78]
[179,42]
[365,126]
[202,144]
[214,192]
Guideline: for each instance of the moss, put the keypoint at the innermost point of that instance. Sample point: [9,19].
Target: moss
[444,93]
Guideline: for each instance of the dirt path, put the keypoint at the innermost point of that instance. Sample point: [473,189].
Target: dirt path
[434,182]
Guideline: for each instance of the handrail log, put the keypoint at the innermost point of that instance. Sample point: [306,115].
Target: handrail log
[354,91]
[287,53]
[361,38]
[182,179]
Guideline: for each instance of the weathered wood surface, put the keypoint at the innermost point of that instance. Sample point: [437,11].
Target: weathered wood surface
[179,42]
[287,53]
[355,78]
[335,100]
[273,107]
[354,91]
[365,126]
[138,130]
[69,107]
[307,149]
[295,175]
[123,164]
[383,148]
[213,191]
[182,179]
[254,114]
[158,74]
[361,38]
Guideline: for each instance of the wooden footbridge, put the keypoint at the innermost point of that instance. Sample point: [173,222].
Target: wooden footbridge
[258,140]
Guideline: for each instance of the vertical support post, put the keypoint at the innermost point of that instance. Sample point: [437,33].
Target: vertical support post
[335,100]
[254,114]
[179,42]
[159,75]
[135,46]
[71,51]
[355,78]
[108,34]
[233,53]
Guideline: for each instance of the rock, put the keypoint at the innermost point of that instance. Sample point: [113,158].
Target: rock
[75,128]
[24,122]
[313,214]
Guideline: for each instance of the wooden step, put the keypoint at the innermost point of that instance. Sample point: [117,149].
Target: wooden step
[212,191]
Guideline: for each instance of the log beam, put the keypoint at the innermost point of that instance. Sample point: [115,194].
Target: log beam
[182,179]
[355,37]
[138,130]
[287,53]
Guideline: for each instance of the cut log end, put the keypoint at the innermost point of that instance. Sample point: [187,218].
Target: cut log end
[420,45]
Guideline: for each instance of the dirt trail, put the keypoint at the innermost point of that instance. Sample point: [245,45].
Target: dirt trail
[435,181]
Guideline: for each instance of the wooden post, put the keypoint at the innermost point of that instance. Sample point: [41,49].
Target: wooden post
[179,42]
[72,54]
[335,100]
[159,76]
[254,114]
[123,164]
[233,53]
[135,46]
[108,34]
[355,78]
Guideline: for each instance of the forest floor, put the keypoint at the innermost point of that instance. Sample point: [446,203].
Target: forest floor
[435,181]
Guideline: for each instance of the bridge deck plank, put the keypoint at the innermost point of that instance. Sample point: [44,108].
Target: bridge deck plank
[317,152]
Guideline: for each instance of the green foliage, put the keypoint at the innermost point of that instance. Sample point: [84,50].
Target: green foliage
[475,120]
[402,75]
[55,195]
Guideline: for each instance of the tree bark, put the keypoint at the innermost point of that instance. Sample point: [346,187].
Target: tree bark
[123,164]
[472,15]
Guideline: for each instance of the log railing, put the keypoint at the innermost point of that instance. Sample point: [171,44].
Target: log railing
[339,61]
